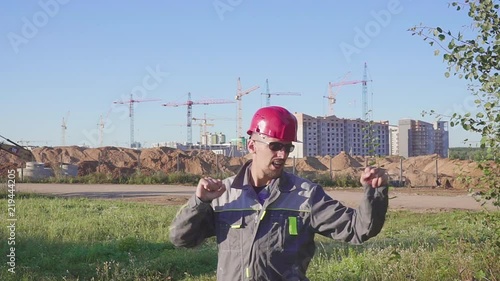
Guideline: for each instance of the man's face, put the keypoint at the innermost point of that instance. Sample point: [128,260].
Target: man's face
[269,155]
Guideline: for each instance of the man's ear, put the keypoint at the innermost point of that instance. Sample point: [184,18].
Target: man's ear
[251,146]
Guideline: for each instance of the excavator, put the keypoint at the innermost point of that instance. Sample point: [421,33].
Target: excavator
[16,149]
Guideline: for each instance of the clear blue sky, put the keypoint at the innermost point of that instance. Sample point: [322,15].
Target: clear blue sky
[80,56]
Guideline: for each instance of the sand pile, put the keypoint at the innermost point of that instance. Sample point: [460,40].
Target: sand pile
[119,161]
[308,164]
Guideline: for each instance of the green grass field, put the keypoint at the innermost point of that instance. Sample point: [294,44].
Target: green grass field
[83,239]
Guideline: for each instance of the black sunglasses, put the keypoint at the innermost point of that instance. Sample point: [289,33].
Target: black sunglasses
[277,146]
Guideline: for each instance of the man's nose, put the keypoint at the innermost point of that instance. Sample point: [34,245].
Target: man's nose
[281,153]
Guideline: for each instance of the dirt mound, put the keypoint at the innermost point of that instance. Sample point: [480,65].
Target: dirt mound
[118,161]
[343,161]
[6,167]
[308,164]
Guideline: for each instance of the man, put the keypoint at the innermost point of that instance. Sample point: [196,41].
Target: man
[264,218]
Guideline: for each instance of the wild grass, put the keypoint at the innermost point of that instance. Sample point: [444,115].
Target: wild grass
[157,177]
[160,177]
[135,178]
[84,239]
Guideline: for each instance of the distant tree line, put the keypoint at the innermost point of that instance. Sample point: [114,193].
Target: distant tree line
[470,153]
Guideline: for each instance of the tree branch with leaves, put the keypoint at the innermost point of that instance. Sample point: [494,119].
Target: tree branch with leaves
[473,54]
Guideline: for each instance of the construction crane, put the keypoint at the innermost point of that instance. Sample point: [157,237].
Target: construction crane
[100,126]
[268,94]
[204,140]
[131,102]
[239,94]
[365,113]
[63,129]
[204,124]
[189,103]
[332,95]
[203,129]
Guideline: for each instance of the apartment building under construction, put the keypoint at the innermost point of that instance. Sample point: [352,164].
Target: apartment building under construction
[330,135]
[416,137]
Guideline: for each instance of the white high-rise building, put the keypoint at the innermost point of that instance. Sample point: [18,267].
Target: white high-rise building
[393,140]
[320,136]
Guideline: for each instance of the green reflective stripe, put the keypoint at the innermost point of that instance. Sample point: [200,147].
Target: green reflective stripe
[271,209]
[247,272]
[263,214]
[233,210]
[285,209]
[292,225]
[236,226]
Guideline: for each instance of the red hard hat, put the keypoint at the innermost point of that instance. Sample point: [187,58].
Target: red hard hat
[275,122]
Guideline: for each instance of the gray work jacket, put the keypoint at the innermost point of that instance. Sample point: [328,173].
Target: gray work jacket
[274,241]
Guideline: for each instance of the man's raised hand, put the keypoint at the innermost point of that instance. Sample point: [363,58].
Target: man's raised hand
[374,177]
[208,189]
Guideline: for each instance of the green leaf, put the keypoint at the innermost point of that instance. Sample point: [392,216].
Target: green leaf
[451,45]
[439,29]
[441,37]
[447,74]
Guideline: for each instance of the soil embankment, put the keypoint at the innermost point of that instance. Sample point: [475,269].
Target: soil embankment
[418,171]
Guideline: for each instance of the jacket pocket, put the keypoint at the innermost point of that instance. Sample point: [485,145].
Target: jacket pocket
[286,230]
[229,228]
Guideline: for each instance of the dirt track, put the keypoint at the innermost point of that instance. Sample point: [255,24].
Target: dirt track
[404,199]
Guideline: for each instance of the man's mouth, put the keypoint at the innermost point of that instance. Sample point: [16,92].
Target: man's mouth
[278,164]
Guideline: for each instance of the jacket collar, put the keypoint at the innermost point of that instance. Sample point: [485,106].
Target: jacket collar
[242,179]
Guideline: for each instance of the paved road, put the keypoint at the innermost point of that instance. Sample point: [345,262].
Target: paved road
[398,200]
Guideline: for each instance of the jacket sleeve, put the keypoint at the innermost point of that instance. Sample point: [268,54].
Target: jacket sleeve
[193,223]
[331,218]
